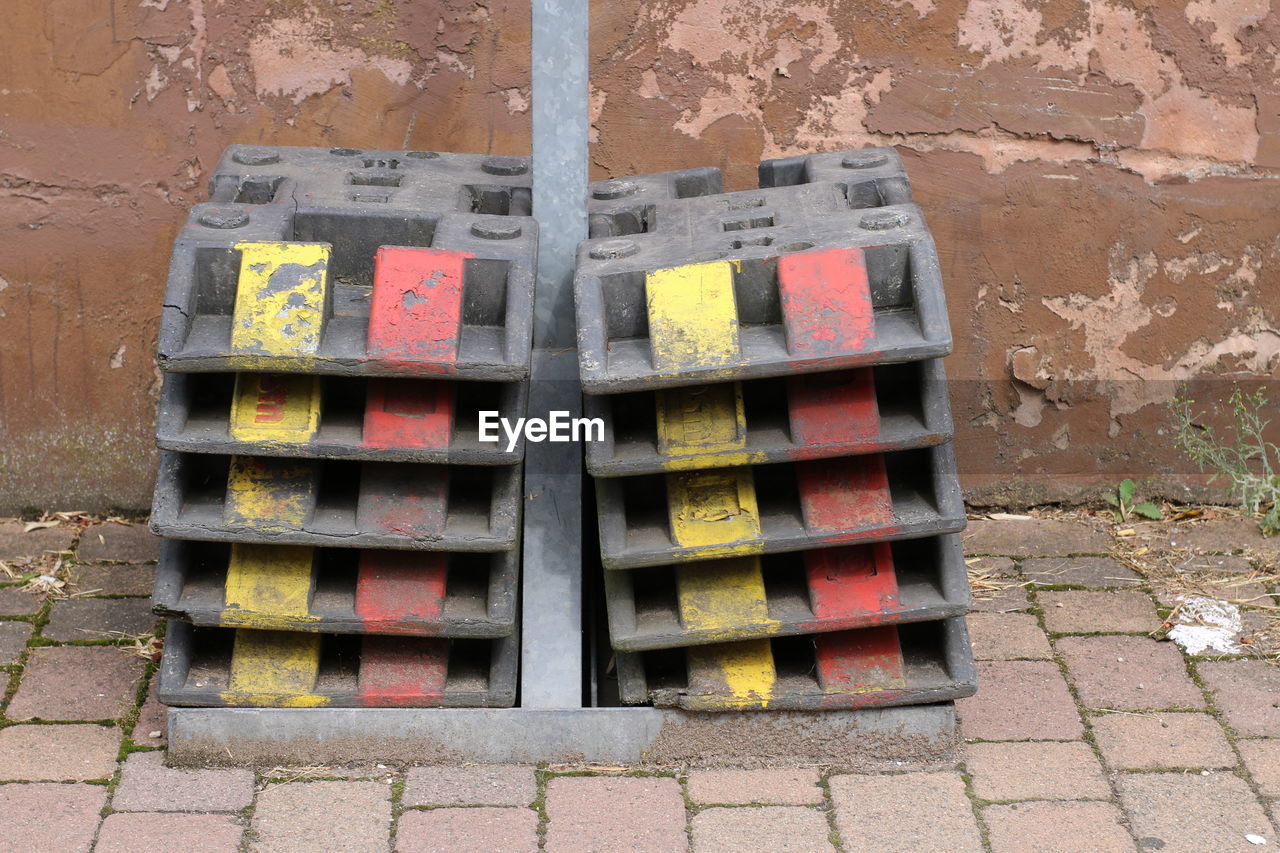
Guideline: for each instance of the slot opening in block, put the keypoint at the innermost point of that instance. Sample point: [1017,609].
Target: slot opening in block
[698,183]
[623,223]
[258,190]
[335,580]
[217,278]
[356,238]
[373,179]
[747,223]
[469,662]
[497,200]
[337,495]
[484,291]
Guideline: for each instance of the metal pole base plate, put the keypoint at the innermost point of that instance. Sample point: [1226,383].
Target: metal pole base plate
[268,736]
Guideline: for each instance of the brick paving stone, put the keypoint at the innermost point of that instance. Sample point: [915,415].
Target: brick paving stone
[1093,572]
[15,545]
[1007,636]
[605,813]
[1020,700]
[996,566]
[1192,813]
[1248,694]
[15,602]
[1035,537]
[1262,760]
[1006,598]
[470,786]
[119,543]
[49,818]
[1083,611]
[1221,564]
[1241,590]
[1060,827]
[784,787]
[761,829]
[99,619]
[1035,771]
[113,579]
[164,833]
[58,753]
[13,639]
[1129,673]
[152,728]
[1223,535]
[77,683]
[473,830]
[146,785]
[906,812]
[337,817]
[1163,741]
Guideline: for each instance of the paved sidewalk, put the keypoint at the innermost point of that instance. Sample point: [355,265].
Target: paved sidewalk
[1087,734]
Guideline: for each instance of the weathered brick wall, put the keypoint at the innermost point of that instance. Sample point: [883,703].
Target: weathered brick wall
[111,114]
[1100,177]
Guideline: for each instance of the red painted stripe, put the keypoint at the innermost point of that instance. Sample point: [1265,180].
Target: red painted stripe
[866,659]
[408,413]
[852,581]
[395,588]
[833,408]
[826,302]
[404,499]
[416,310]
[843,494]
[403,670]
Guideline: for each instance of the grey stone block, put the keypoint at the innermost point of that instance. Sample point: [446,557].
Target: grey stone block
[195,416]
[405,593]
[357,202]
[196,671]
[937,665]
[911,399]
[927,581]
[349,504]
[636,514]
[652,222]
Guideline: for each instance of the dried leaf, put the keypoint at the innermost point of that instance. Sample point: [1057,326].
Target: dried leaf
[39,525]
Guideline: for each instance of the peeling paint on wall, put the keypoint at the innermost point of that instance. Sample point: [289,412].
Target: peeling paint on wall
[111,112]
[1100,177]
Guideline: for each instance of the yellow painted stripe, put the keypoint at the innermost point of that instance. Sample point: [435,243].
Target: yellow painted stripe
[269,494]
[693,317]
[280,299]
[732,675]
[715,508]
[701,419]
[275,408]
[723,596]
[275,668]
[268,581]
[699,461]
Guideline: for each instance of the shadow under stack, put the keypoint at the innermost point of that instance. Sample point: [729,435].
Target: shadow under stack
[777,496]
[338,535]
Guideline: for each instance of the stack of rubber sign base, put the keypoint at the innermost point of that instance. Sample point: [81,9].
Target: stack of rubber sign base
[777,495]
[339,534]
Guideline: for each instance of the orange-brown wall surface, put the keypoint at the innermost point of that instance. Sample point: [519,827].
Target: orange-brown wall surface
[1102,179]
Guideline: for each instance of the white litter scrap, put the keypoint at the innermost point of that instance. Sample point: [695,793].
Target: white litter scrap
[1255,839]
[1207,625]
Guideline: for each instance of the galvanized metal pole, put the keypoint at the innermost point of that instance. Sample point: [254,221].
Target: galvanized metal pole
[551,653]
